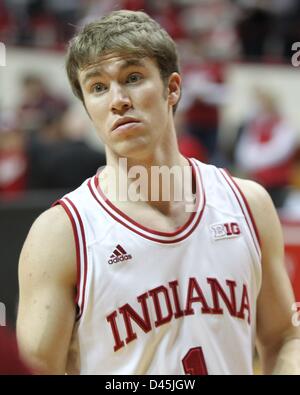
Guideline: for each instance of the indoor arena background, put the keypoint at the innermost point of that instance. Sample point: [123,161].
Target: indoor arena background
[240,67]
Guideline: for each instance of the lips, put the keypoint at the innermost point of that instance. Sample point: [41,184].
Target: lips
[124,121]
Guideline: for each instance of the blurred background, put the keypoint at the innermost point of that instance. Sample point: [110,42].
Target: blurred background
[239,107]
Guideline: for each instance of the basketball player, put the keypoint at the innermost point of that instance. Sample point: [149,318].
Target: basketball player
[116,286]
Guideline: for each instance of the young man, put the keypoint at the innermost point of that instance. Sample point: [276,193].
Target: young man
[151,286]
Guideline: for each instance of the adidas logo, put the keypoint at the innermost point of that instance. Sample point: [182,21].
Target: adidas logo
[119,255]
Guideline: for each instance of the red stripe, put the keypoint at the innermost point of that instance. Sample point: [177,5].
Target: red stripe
[121,249]
[117,253]
[84,252]
[248,208]
[141,234]
[56,203]
[241,209]
[148,230]
[75,233]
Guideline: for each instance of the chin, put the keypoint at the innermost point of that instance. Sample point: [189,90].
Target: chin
[138,149]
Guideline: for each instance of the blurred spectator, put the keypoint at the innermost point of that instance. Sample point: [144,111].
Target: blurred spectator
[6,23]
[37,102]
[96,9]
[13,159]
[66,13]
[59,156]
[291,208]
[203,93]
[168,15]
[188,145]
[210,25]
[264,30]
[266,146]
[268,28]
[254,29]
[134,5]
[47,24]
[191,147]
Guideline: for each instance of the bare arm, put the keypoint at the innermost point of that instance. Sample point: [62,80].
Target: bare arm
[278,341]
[47,278]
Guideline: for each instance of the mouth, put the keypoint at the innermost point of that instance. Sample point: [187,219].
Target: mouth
[124,124]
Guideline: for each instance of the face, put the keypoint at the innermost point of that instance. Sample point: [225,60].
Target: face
[128,103]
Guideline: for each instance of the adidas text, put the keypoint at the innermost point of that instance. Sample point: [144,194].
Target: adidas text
[120,259]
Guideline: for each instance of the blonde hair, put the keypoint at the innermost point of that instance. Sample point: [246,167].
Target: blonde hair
[128,32]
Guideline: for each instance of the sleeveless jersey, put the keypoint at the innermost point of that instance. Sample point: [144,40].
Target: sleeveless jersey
[153,302]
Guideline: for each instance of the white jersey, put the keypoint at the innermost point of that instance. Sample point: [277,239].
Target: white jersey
[153,302]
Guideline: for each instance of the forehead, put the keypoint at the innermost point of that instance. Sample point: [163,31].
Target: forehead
[114,63]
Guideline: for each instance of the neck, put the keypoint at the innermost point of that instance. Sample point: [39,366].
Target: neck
[163,152]
[158,178]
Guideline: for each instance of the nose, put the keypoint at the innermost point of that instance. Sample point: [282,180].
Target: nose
[120,100]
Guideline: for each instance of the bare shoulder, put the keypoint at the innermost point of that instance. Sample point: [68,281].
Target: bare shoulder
[50,245]
[255,193]
[47,280]
[262,208]
[51,223]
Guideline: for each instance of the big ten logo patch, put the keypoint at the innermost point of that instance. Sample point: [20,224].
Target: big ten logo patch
[225,231]
[2,55]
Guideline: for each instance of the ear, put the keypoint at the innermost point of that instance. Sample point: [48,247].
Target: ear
[174,89]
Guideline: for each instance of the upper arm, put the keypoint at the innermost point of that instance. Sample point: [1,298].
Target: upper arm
[47,279]
[275,300]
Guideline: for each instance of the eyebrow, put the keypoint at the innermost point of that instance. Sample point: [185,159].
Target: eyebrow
[97,71]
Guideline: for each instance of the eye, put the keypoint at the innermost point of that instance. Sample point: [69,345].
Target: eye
[134,77]
[98,88]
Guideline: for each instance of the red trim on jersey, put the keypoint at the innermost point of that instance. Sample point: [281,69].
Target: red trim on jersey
[75,233]
[155,232]
[248,208]
[84,253]
[141,234]
[56,203]
[150,230]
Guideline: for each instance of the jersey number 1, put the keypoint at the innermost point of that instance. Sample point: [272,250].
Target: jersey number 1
[194,362]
